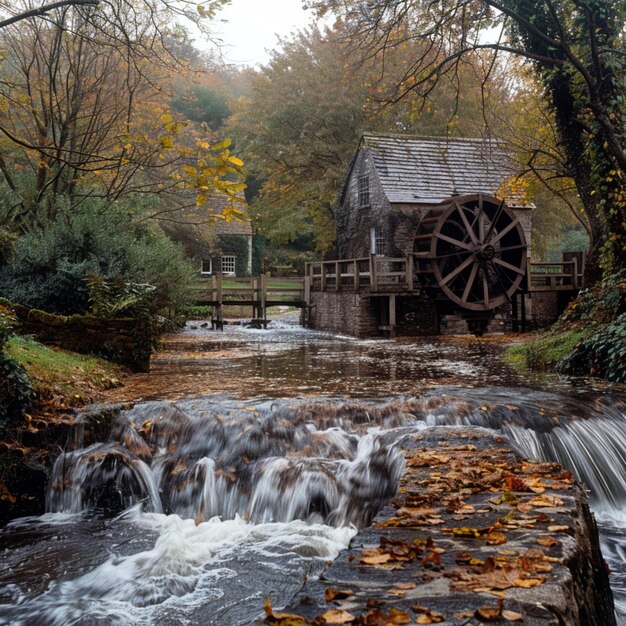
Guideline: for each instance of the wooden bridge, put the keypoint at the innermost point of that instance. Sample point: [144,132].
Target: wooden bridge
[257,292]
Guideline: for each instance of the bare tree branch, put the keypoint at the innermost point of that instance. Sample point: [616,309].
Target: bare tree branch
[46,8]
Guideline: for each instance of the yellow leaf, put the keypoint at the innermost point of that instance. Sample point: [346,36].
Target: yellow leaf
[166,118]
[221,145]
[235,161]
[201,199]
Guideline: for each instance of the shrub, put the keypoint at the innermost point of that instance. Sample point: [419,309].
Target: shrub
[602,354]
[8,321]
[50,267]
[15,387]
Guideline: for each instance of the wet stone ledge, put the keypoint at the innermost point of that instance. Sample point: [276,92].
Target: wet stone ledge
[475,535]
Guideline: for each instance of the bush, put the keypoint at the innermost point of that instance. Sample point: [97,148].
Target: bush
[16,391]
[603,354]
[8,322]
[15,387]
[50,267]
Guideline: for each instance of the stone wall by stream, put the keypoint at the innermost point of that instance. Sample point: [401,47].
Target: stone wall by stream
[474,535]
[125,340]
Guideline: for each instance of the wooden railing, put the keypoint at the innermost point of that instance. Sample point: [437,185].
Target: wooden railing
[376,273]
[397,274]
[261,291]
[554,276]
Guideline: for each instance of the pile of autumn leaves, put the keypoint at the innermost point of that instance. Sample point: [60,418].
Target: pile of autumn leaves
[511,496]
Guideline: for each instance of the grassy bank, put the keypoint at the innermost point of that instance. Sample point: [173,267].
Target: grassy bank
[589,339]
[60,381]
[60,378]
[545,351]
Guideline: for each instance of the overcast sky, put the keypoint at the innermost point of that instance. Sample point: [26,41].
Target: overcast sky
[252,26]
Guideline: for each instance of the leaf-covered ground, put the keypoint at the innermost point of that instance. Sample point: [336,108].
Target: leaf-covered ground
[475,535]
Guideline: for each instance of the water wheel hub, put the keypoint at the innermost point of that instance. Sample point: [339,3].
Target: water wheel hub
[486,252]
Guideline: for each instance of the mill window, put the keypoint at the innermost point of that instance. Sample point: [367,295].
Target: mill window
[364,191]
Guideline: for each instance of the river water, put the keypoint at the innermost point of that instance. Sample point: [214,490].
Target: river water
[250,458]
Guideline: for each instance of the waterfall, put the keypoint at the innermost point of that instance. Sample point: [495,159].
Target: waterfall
[269,463]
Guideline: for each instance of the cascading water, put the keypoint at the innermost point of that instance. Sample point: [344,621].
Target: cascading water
[194,510]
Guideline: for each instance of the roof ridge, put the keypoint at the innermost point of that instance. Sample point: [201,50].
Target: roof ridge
[434,138]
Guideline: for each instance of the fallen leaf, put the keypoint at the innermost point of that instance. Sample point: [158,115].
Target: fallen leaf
[427,616]
[489,613]
[528,583]
[405,585]
[375,558]
[496,538]
[336,594]
[335,616]
[546,501]
[512,616]
[276,618]
[558,528]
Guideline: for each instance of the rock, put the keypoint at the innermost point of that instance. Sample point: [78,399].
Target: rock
[474,532]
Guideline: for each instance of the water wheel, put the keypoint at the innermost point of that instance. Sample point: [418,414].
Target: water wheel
[473,250]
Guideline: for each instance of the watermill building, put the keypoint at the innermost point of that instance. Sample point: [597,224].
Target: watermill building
[433,235]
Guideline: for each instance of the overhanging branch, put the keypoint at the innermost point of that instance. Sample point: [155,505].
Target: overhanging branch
[46,8]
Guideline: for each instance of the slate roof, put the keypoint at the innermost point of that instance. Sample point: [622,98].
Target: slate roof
[427,170]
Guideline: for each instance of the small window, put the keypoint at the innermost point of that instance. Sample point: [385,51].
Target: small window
[228,265]
[378,243]
[206,267]
[364,191]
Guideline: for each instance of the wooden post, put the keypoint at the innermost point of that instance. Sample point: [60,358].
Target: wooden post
[409,271]
[373,277]
[514,314]
[263,300]
[357,278]
[305,316]
[523,313]
[392,315]
[219,288]
[337,276]
[575,273]
[323,276]
[255,298]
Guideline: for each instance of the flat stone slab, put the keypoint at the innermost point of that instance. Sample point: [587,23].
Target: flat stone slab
[475,535]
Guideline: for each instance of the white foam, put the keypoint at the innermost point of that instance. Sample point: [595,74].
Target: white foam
[187,561]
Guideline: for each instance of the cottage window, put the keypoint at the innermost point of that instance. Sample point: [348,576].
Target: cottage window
[378,244]
[364,191]
[206,267]
[228,265]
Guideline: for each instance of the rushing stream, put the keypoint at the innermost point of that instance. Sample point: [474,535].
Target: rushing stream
[250,458]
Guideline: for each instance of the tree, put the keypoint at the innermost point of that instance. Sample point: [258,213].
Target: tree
[576,51]
[84,112]
[300,123]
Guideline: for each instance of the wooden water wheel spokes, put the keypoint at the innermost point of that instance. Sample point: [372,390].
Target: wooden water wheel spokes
[474,249]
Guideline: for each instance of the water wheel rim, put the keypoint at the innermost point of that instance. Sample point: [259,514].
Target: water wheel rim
[483,266]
